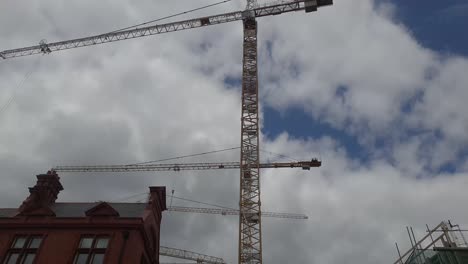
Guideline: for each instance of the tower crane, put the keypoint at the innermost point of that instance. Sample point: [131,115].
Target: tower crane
[250,239]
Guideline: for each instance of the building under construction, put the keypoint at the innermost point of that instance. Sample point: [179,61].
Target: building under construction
[444,244]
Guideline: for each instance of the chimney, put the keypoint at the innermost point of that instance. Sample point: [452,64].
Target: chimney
[43,194]
[158,195]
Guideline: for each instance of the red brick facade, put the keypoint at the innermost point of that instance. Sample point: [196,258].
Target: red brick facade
[44,231]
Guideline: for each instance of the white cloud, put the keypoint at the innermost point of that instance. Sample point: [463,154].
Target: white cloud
[351,209]
[443,102]
[355,67]
[347,45]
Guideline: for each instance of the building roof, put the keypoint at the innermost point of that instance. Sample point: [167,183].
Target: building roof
[79,209]
[42,202]
[131,210]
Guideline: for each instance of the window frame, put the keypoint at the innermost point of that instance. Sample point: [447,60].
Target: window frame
[92,250]
[25,249]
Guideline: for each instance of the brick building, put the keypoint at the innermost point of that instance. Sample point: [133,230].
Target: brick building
[44,231]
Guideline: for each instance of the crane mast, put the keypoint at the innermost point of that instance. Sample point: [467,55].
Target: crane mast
[250,227]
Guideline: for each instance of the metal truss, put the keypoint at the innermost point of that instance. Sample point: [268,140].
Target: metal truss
[189,255]
[45,48]
[305,165]
[445,243]
[250,235]
[251,4]
[226,211]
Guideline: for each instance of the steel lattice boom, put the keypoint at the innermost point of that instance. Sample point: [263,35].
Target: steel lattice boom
[272,9]
[305,165]
[189,255]
[225,211]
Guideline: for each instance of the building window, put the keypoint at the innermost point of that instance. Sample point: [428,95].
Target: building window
[23,250]
[91,250]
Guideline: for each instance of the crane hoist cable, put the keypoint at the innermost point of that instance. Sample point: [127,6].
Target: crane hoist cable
[12,98]
[223,210]
[278,155]
[209,152]
[173,196]
[46,50]
[209,204]
[171,16]
[185,156]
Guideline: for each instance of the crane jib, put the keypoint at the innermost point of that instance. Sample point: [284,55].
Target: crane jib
[267,10]
[189,255]
[305,165]
[229,211]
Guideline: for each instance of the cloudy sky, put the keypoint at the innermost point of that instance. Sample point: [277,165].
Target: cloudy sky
[376,89]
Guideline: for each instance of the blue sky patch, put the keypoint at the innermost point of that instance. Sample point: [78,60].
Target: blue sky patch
[438,25]
[301,125]
[232,82]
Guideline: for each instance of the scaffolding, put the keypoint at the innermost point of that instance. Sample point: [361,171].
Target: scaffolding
[444,244]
